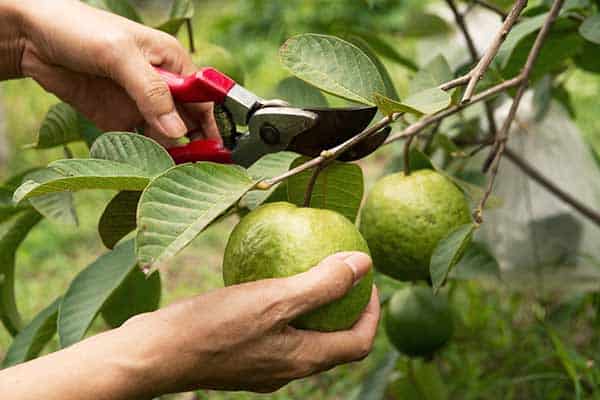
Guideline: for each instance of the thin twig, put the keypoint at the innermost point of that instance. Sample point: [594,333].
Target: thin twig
[460,21]
[502,135]
[417,127]
[190,33]
[311,184]
[460,81]
[533,173]
[407,155]
[332,153]
[491,7]
[479,70]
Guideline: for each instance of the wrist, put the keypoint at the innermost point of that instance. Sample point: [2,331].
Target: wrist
[13,39]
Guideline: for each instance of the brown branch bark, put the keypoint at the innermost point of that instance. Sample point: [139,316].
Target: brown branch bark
[477,72]
[502,135]
[311,184]
[417,127]
[407,155]
[460,21]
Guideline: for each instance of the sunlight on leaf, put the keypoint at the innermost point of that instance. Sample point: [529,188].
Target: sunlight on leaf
[333,65]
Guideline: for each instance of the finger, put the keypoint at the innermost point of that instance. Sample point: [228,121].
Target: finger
[111,109]
[330,280]
[200,121]
[326,350]
[151,95]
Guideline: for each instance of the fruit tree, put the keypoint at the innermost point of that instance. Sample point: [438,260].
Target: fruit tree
[420,222]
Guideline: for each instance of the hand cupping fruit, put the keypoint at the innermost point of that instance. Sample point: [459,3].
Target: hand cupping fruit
[279,240]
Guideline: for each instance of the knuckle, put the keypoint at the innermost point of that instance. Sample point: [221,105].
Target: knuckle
[155,88]
[363,347]
[110,51]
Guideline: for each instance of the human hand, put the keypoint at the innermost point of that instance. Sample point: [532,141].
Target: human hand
[102,64]
[239,338]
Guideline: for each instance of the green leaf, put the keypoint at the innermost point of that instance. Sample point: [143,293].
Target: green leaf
[421,24]
[419,160]
[436,72]
[59,127]
[299,93]
[375,384]
[90,290]
[384,49]
[588,59]
[448,253]
[80,174]
[590,28]
[119,218]
[28,344]
[390,89]
[89,131]
[477,262]
[124,9]
[133,149]
[565,359]
[333,65]
[179,204]
[12,233]
[428,101]
[137,294]
[57,207]
[181,10]
[269,166]
[388,106]
[519,32]
[339,187]
[559,46]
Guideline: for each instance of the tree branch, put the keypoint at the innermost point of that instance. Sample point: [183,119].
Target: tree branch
[533,173]
[477,72]
[407,155]
[492,7]
[417,127]
[311,184]
[502,135]
[460,21]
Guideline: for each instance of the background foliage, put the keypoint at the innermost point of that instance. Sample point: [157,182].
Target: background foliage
[516,336]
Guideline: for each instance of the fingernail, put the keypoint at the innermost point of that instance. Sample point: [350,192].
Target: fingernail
[172,125]
[359,263]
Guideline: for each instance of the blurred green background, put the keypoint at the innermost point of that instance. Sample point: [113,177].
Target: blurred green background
[501,349]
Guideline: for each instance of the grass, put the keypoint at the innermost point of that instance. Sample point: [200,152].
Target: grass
[502,347]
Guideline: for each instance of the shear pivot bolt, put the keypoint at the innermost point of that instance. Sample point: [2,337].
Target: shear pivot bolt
[270,135]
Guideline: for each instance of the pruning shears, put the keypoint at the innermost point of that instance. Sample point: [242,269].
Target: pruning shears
[273,125]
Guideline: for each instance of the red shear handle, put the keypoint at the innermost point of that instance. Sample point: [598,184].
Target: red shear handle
[206,85]
[201,150]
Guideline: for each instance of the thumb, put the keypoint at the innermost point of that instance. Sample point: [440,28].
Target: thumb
[151,95]
[330,280]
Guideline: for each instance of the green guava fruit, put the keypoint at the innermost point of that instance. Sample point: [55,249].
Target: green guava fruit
[279,240]
[417,322]
[404,218]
